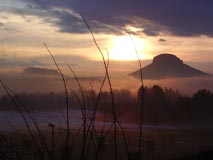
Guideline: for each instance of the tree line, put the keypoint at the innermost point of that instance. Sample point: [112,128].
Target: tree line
[161,105]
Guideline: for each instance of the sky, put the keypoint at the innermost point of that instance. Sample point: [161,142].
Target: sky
[180,27]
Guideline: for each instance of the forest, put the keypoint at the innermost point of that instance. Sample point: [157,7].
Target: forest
[161,105]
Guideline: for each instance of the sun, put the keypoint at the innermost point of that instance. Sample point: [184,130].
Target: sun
[122,48]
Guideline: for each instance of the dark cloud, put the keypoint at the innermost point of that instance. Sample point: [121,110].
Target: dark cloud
[162,40]
[6,27]
[177,17]
[4,17]
[5,63]
[66,58]
[17,62]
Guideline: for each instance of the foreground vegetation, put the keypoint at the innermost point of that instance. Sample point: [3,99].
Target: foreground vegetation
[162,107]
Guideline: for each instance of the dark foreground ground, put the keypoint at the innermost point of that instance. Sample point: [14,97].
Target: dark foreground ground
[165,144]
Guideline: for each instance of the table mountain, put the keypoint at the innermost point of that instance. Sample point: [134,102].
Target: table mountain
[40,71]
[167,66]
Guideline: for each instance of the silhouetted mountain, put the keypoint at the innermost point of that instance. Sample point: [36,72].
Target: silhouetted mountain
[167,66]
[40,71]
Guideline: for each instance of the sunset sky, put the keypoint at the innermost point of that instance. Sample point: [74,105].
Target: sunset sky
[181,27]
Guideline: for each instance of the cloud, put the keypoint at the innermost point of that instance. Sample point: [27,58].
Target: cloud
[4,26]
[17,62]
[5,62]
[4,17]
[176,17]
[162,40]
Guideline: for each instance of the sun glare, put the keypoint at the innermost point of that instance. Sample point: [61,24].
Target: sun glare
[122,48]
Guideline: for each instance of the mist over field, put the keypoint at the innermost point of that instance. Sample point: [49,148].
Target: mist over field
[45,84]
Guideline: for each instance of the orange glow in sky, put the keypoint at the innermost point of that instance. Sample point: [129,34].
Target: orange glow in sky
[123,48]
[23,31]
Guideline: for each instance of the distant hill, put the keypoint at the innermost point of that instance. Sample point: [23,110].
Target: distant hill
[167,66]
[40,71]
